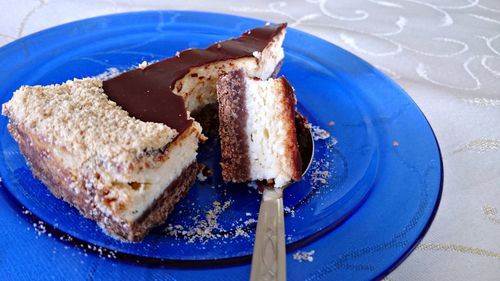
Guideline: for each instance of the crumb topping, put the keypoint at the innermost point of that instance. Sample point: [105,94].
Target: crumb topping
[303,256]
[78,118]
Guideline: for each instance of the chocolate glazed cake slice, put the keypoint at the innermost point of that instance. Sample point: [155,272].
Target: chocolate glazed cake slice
[257,129]
[193,73]
[123,151]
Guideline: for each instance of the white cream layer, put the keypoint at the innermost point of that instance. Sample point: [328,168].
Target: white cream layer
[265,131]
[156,180]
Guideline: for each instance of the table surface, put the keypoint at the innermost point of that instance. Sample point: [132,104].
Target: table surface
[445,54]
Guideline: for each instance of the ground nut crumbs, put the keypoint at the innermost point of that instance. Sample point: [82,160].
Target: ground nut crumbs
[322,169]
[42,229]
[208,228]
[108,74]
[320,176]
[112,72]
[78,117]
[143,65]
[201,177]
[303,256]
[253,185]
[204,228]
[290,211]
[331,142]
[318,133]
[204,173]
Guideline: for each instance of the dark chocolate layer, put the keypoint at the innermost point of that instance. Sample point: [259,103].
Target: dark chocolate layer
[147,94]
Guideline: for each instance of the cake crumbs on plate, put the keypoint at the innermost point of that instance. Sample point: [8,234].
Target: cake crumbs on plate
[201,177]
[249,221]
[253,185]
[108,73]
[205,228]
[319,134]
[320,176]
[290,211]
[112,72]
[41,228]
[143,65]
[204,173]
[331,143]
[241,232]
[303,256]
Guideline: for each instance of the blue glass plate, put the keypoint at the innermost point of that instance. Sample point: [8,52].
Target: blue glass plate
[368,198]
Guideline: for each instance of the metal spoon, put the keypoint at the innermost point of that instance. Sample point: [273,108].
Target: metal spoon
[269,253]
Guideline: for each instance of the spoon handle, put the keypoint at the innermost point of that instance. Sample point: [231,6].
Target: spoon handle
[269,253]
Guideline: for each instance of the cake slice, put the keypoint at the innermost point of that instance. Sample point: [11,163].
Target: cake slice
[122,172]
[193,73]
[258,52]
[257,129]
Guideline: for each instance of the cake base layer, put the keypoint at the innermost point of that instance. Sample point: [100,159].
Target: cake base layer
[158,212]
[61,182]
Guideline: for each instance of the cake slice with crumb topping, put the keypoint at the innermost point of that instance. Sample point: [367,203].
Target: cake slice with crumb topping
[124,173]
[257,129]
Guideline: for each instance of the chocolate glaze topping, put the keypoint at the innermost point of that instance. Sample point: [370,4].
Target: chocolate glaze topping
[147,93]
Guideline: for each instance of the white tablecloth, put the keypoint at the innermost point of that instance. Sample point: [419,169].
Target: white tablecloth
[445,54]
